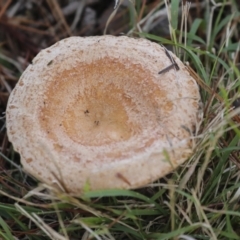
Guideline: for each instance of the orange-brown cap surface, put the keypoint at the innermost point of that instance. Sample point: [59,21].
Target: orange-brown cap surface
[95,112]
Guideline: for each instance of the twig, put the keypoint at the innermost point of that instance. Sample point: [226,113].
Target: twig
[4,8]
[168,68]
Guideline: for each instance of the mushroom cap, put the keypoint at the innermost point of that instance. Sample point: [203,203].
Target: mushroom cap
[94,112]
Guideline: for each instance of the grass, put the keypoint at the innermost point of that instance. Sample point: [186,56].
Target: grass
[200,200]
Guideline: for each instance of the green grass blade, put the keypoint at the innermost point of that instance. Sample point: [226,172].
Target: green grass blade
[174,14]
[194,27]
[6,229]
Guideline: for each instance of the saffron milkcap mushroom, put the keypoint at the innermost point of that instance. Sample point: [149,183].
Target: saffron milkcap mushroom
[95,112]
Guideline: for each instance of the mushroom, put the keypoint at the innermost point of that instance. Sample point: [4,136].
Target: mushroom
[95,112]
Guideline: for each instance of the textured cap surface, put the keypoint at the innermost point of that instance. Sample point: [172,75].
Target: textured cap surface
[95,112]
